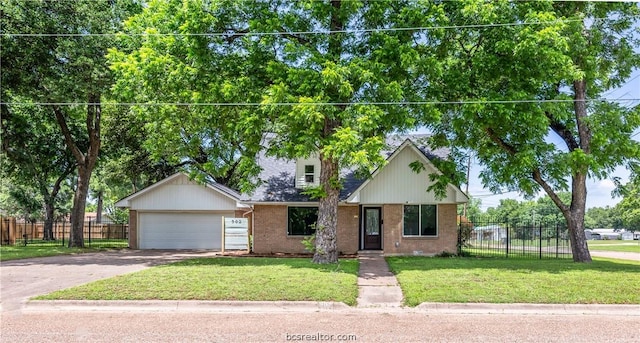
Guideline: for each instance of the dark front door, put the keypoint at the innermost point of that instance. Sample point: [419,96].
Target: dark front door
[372,228]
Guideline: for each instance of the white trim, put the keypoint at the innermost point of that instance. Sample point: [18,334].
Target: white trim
[420,235]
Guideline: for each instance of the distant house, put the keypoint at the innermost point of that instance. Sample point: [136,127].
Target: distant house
[610,234]
[626,236]
[390,211]
[490,233]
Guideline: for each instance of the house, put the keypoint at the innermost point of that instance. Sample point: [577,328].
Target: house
[490,233]
[389,211]
[178,213]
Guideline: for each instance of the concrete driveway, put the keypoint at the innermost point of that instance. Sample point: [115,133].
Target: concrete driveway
[23,279]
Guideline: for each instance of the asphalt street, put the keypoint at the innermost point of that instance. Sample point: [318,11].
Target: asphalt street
[28,321]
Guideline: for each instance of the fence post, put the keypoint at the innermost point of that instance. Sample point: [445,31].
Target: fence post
[89,231]
[459,237]
[63,225]
[540,238]
[507,242]
[557,238]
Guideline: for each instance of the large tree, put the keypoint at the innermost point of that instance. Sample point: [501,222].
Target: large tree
[34,157]
[320,72]
[53,53]
[531,76]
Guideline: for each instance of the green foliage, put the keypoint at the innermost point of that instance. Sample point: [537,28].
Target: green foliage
[574,54]
[219,141]
[603,217]
[538,62]
[62,45]
[629,208]
[36,166]
[309,243]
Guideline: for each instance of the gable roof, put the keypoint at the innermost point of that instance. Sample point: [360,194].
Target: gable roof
[425,157]
[278,175]
[226,191]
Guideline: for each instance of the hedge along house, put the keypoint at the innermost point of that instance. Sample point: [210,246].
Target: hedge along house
[389,211]
[178,213]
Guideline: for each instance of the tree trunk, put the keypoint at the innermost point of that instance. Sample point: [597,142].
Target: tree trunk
[327,226]
[579,178]
[85,162]
[76,235]
[99,208]
[47,232]
[50,203]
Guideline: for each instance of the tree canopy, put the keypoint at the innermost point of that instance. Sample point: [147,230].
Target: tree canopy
[531,93]
[317,70]
[54,55]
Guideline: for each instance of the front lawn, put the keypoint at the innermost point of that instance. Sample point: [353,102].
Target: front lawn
[615,245]
[228,278]
[9,252]
[493,280]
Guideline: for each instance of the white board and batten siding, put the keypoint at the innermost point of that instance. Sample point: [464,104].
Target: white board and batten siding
[182,194]
[397,183]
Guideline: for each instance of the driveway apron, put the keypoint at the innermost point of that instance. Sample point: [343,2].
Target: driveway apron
[23,279]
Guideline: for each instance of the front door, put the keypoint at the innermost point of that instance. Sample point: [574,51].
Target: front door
[372,228]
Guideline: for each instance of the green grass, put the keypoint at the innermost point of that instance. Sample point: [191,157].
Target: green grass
[240,278]
[48,248]
[490,280]
[21,252]
[615,245]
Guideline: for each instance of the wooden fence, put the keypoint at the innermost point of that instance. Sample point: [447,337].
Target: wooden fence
[12,230]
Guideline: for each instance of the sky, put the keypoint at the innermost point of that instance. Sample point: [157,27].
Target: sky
[598,191]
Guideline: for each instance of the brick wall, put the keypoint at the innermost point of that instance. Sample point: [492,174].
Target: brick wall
[445,241]
[270,230]
[133,229]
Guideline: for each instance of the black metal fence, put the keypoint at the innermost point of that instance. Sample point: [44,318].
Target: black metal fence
[487,237]
[104,234]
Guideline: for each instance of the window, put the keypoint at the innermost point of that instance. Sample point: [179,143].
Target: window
[309,173]
[302,221]
[420,220]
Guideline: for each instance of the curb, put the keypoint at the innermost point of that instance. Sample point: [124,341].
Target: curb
[551,309]
[199,306]
[202,306]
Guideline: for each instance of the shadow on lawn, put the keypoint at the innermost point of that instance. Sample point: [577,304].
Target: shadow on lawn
[399,264]
[345,265]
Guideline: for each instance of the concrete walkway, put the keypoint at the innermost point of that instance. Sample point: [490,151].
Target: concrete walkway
[377,286]
[632,256]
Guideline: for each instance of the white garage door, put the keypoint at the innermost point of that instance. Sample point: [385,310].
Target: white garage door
[181,230]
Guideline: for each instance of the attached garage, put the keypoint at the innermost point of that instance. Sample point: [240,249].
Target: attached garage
[177,213]
[166,230]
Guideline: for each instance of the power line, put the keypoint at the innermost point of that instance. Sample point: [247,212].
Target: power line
[322,32]
[355,103]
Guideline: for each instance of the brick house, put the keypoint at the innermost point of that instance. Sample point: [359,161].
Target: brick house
[390,211]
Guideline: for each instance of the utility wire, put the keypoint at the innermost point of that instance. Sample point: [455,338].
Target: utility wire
[322,32]
[364,103]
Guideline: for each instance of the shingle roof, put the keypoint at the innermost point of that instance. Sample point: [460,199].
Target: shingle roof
[278,175]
